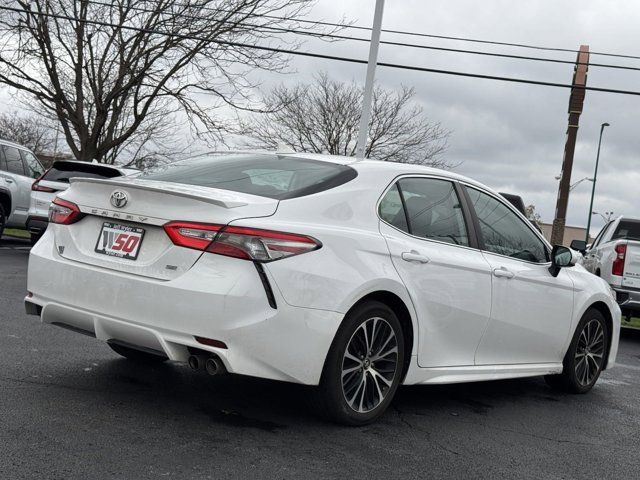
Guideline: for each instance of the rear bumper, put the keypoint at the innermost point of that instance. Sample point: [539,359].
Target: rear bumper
[37,225]
[628,300]
[218,298]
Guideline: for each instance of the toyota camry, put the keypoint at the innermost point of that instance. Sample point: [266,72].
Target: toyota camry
[351,276]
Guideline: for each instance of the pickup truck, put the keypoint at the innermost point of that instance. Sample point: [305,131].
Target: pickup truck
[615,256]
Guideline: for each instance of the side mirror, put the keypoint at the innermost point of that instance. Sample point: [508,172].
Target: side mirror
[560,257]
[579,245]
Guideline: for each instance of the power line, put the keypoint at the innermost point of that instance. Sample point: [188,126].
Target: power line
[329,57]
[335,36]
[442,37]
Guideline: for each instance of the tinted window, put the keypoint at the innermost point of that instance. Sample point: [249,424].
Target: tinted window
[392,211]
[14,160]
[433,210]
[264,175]
[504,232]
[63,171]
[628,229]
[598,239]
[31,165]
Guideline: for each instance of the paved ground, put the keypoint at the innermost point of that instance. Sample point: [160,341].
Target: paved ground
[70,408]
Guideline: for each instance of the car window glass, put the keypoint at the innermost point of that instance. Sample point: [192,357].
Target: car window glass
[504,232]
[627,229]
[392,211]
[434,210]
[600,235]
[14,160]
[3,162]
[31,165]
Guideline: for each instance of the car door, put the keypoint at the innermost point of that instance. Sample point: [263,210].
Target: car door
[18,184]
[590,260]
[531,310]
[448,279]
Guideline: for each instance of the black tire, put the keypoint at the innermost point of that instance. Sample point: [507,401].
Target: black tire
[585,357]
[374,378]
[35,237]
[137,355]
[3,220]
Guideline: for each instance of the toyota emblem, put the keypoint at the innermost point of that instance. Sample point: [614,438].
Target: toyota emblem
[119,199]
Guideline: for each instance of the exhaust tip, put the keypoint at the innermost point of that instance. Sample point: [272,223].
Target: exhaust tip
[214,366]
[196,362]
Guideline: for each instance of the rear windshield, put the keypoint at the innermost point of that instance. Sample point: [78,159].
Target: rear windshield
[265,175]
[62,172]
[627,229]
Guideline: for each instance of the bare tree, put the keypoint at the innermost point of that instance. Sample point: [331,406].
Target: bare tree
[533,216]
[104,67]
[32,131]
[323,117]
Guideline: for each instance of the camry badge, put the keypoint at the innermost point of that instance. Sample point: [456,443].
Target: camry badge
[119,199]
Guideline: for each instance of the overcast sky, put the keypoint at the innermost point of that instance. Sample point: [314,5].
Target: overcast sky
[512,136]
[509,136]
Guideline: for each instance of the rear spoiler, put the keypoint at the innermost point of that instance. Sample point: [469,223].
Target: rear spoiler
[215,196]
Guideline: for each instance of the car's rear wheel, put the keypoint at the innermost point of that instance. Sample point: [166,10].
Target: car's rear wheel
[585,358]
[136,355]
[364,366]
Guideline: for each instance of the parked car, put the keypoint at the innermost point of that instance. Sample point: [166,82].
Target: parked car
[55,180]
[354,276]
[615,256]
[18,168]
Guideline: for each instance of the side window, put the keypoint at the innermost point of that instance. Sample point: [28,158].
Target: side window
[3,162]
[14,161]
[504,232]
[596,242]
[433,210]
[392,211]
[31,165]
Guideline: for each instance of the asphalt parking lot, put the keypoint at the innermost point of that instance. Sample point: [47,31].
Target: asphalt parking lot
[71,408]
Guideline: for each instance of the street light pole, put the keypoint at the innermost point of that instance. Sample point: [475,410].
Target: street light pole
[367,97]
[595,178]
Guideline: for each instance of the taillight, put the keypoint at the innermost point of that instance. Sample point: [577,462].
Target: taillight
[618,263]
[36,187]
[240,242]
[63,212]
[192,235]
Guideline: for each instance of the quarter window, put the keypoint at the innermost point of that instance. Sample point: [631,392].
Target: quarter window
[31,165]
[503,232]
[431,210]
[14,161]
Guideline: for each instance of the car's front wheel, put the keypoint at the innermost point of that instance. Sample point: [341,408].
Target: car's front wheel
[3,220]
[586,356]
[364,366]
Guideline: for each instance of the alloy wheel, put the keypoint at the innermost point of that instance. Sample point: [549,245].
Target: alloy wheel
[369,365]
[589,354]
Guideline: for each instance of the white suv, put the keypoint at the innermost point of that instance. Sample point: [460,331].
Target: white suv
[18,169]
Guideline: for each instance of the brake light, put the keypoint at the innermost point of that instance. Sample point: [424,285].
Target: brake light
[192,235]
[240,242]
[618,263]
[64,212]
[36,187]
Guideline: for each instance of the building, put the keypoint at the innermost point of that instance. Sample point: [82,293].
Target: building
[570,233]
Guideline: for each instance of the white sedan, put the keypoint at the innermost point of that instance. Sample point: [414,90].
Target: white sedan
[355,276]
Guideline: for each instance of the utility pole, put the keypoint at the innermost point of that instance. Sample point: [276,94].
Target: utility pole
[367,98]
[576,103]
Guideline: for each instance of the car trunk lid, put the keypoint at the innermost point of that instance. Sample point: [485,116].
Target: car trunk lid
[138,207]
[631,275]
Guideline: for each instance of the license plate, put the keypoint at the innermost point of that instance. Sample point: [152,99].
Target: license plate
[119,241]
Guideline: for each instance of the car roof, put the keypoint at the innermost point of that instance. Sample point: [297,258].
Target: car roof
[13,144]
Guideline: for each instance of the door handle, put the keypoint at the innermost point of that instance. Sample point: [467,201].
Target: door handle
[414,256]
[502,272]
[8,180]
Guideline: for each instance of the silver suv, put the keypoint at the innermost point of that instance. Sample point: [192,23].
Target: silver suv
[18,169]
